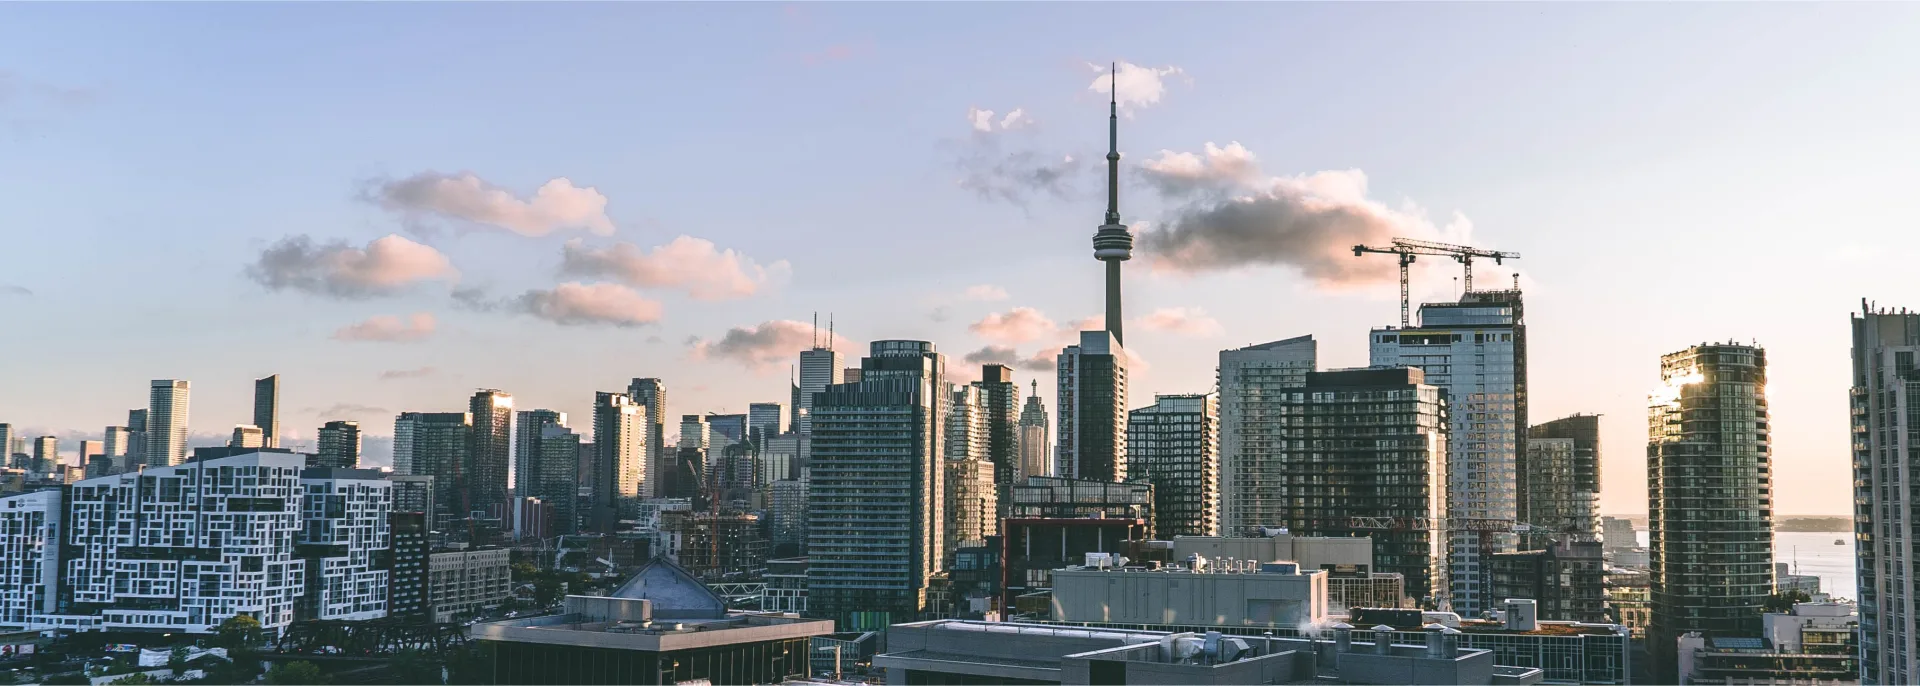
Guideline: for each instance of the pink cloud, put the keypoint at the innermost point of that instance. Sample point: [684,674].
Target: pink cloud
[388,328]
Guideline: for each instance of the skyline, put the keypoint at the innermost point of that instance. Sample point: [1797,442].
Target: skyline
[185,170]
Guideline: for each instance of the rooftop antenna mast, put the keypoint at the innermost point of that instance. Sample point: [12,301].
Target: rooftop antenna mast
[816,330]
[829,330]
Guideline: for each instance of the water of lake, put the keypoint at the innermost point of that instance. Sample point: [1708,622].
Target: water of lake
[1814,553]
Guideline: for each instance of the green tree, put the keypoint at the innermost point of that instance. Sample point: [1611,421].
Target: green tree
[238,632]
[414,667]
[178,660]
[523,571]
[296,673]
[1783,602]
[134,679]
[546,591]
[68,679]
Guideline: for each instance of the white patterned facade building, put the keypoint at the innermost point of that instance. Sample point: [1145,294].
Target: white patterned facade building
[344,516]
[182,548]
[29,555]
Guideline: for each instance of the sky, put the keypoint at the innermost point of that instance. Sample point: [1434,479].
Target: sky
[392,205]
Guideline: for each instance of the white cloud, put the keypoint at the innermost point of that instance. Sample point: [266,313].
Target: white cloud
[983,121]
[1134,86]
[694,264]
[1016,119]
[1180,320]
[764,346]
[389,328]
[556,205]
[1042,360]
[583,304]
[386,266]
[1015,326]
[1215,168]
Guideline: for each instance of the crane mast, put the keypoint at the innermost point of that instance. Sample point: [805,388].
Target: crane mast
[1408,250]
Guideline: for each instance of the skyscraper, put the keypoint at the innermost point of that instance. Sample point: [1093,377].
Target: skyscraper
[90,450]
[1364,453]
[765,420]
[46,454]
[247,436]
[166,423]
[1709,508]
[554,475]
[651,394]
[6,445]
[1886,443]
[1036,448]
[115,447]
[1476,349]
[619,432]
[1174,444]
[819,368]
[1112,243]
[526,445]
[1562,472]
[339,445]
[1253,384]
[876,500]
[136,439]
[434,444]
[484,485]
[1000,400]
[266,410]
[1093,409]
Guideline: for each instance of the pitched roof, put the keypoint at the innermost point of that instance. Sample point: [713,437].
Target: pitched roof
[672,592]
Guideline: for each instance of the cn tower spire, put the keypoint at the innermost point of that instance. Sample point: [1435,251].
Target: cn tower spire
[1113,244]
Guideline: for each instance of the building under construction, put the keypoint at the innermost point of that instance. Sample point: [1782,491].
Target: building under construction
[717,548]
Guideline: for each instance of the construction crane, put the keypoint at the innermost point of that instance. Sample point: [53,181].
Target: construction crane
[1408,250]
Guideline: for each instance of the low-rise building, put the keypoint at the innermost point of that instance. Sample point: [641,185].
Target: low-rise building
[1211,593]
[662,627]
[786,589]
[960,652]
[1372,589]
[465,581]
[1567,579]
[1630,599]
[1813,643]
[1033,547]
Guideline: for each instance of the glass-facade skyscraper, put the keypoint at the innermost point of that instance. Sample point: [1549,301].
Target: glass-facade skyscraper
[490,444]
[1092,432]
[1709,496]
[1174,444]
[1886,446]
[1253,385]
[167,404]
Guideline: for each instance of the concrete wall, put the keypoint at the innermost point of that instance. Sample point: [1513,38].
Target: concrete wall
[1410,665]
[1143,668]
[1188,598]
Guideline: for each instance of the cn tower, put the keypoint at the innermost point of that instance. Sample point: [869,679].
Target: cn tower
[1113,244]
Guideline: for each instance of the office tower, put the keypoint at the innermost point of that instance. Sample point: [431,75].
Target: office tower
[92,459]
[526,439]
[1709,512]
[407,596]
[619,433]
[484,484]
[6,445]
[136,439]
[965,424]
[733,427]
[651,395]
[434,444]
[686,472]
[1886,440]
[850,375]
[247,436]
[166,423]
[765,420]
[339,445]
[1363,452]
[972,506]
[1036,446]
[143,561]
[46,454]
[115,448]
[788,516]
[1174,444]
[266,410]
[1000,398]
[1562,473]
[415,493]
[1112,243]
[819,367]
[876,498]
[29,555]
[1093,409]
[89,449]
[554,473]
[1475,349]
[344,539]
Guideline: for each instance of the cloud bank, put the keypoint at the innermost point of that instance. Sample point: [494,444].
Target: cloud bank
[693,264]
[1134,86]
[1040,361]
[1180,320]
[384,267]
[764,346]
[556,205]
[1013,327]
[389,328]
